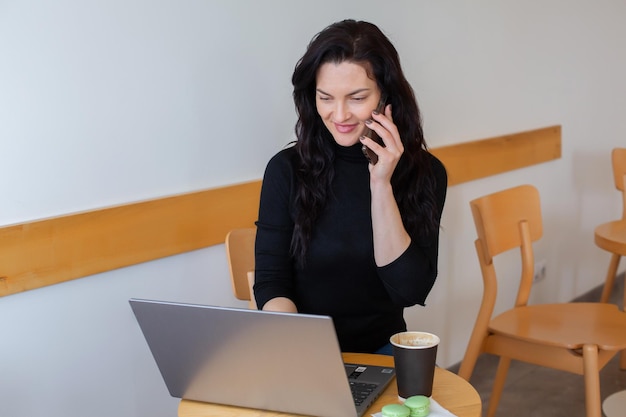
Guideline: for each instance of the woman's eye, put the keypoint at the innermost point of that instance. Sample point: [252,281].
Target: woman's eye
[358,98]
[324,98]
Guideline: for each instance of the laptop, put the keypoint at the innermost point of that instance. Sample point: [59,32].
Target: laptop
[258,359]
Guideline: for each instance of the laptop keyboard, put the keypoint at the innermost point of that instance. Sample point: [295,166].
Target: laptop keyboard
[360,391]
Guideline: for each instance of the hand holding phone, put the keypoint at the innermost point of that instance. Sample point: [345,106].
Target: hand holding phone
[370,154]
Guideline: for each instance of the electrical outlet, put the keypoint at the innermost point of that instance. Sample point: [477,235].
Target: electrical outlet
[540,271]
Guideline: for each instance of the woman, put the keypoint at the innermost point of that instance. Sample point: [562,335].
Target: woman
[338,235]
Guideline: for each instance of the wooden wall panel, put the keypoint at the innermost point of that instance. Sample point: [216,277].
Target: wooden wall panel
[469,161]
[45,252]
[54,250]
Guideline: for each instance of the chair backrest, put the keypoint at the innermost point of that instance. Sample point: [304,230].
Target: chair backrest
[240,255]
[618,157]
[506,220]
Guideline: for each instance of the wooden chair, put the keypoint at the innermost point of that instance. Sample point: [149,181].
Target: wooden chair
[605,234]
[611,236]
[575,337]
[240,254]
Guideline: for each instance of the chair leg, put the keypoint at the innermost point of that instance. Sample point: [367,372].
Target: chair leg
[593,403]
[469,362]
[622,361]
[609,282]
[498,385]
[610,278]
[473,351]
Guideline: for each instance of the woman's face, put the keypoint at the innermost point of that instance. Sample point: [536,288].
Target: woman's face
[345,97]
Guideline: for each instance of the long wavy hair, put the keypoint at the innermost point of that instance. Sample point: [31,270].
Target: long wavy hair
[362,43]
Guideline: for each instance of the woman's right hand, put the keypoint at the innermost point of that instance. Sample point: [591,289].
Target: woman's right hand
[388,155]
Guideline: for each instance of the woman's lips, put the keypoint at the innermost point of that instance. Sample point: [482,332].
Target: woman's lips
[345,128]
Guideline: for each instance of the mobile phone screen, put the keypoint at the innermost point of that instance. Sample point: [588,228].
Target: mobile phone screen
[369,154]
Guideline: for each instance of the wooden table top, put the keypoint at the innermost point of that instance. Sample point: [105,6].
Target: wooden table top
[449,390]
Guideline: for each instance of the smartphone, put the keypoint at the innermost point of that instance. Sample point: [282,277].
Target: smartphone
[370,154]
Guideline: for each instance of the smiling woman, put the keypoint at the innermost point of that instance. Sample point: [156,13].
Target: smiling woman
[338,234]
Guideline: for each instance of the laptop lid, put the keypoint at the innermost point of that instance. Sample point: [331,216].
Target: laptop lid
[250,358]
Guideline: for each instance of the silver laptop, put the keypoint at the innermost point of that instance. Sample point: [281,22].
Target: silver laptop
[257,359]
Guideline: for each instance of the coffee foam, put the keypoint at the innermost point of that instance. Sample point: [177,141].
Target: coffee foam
[414,339]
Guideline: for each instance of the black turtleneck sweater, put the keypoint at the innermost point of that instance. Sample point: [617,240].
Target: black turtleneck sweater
[340,278]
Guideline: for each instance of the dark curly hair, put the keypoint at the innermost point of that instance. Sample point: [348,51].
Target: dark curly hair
[362,43]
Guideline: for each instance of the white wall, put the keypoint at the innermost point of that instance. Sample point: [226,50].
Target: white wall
[109,102]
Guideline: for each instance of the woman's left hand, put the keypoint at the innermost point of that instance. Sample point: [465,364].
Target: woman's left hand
[388,155]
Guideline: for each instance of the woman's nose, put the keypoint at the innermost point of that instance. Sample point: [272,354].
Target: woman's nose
[342,112]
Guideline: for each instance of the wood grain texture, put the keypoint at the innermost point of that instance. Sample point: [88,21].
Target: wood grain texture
[45,252]
[59,249]
[451,392]
[469,161]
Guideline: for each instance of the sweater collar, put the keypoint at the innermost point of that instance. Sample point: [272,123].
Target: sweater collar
[352,153]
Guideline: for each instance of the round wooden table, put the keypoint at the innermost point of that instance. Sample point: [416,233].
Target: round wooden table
[449,390]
